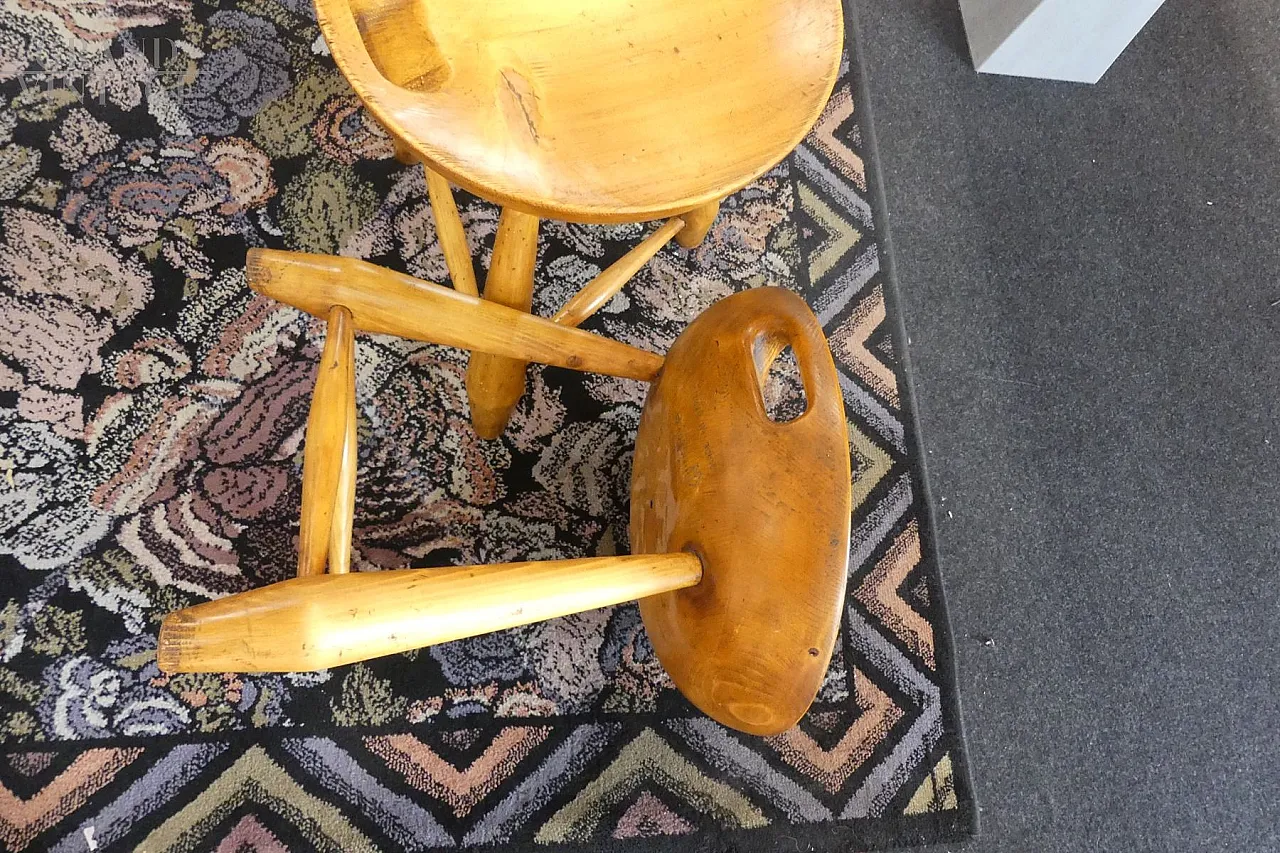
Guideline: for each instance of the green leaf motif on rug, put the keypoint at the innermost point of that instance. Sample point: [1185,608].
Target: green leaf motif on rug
[323,205]
[57,631]
[367,700]
[282,128]
[114,582]
[10,630]
[18,722]
[18,165]
[36,104]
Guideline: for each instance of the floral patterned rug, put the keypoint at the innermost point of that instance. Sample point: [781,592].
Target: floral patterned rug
[151,419]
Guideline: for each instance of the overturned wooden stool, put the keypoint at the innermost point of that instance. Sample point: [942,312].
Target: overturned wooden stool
[584,111]
[739,523]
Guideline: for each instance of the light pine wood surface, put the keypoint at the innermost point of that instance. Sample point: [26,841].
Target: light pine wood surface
[765,505]
[344,504]
[697,223]
[453,239]
[739,523]
[391,303]
[585,111]
[495,383]
[592,111]
[326,620]
[328,458]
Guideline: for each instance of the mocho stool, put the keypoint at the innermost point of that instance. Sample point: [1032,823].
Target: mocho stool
[585,111]
[739,523]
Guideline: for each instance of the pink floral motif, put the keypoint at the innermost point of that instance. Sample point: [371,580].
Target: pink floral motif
[80,137]
[247,172]
[443,474]
[738,245]
[63,411]
[151,360]
[346,132]
[210,460]
[177,189]
[65,298]
[101,20]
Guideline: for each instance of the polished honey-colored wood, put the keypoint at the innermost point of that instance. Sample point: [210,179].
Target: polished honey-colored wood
[328,458]
[453,239]
[739,523]
[328,620]
[585,111]
[404,153]
[592,111]
[495,383]
[597,292]
[402,57]
[391,303]
[765,505]
[344,504]
[697,223]
[392,33]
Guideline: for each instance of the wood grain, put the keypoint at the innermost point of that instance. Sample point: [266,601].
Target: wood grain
[697,223]
[404,152]
[740,524]
[765,505]
[344,503]
[597,292]
[453,238]
[494,383]
[592,111]
[322,621]
[392,303]
[328,456]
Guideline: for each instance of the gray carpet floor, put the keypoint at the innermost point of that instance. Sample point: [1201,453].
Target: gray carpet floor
[1090,278]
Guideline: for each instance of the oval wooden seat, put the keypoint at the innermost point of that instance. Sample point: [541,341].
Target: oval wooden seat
[592,110]
[764,505]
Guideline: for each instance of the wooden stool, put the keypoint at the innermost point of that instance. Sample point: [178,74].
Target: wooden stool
[585,111]
[739,524]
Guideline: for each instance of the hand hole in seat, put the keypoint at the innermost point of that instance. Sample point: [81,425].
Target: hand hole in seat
[398,38]
[781,384]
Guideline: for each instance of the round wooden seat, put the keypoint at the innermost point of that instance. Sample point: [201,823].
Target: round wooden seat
[592,110]
[764,505]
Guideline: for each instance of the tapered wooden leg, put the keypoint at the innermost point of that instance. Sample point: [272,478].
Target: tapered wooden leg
[495,384]
[453,239]
[390,303]
[603,287]
[326,620]
[404,153]
[328,459]
[697,223]
[344,499]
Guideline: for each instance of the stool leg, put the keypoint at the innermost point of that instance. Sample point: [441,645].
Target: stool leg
[326,620]
[392,303]
[603,287]
[495,383]
[328,455]
[404,153]
[453,239]
[697,223]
